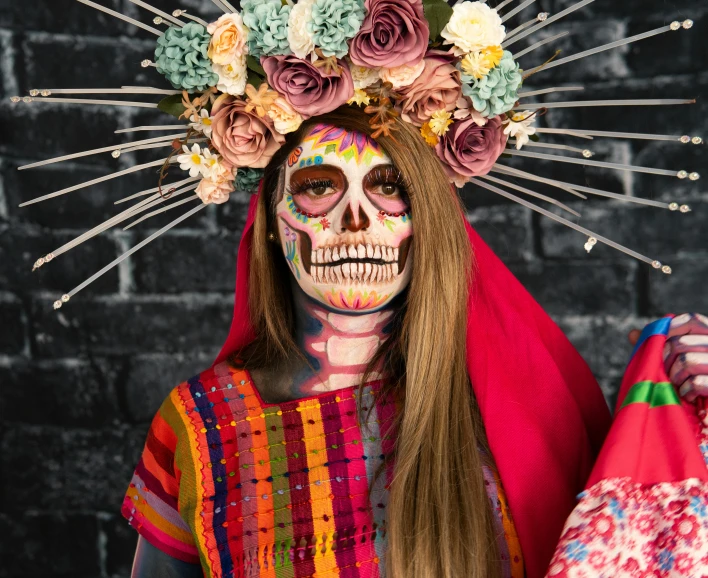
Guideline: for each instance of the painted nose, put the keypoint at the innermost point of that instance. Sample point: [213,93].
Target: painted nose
[349,223]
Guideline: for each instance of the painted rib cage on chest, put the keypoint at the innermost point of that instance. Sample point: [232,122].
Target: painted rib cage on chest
[285,486]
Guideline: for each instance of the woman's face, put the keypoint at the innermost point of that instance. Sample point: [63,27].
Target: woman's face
[344,220]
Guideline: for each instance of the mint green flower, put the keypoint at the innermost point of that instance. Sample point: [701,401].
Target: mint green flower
[333,23]
[247,179]
[498,91]
[267,23]
[181,57]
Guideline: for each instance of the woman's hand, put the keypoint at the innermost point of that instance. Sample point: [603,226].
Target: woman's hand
[686,354]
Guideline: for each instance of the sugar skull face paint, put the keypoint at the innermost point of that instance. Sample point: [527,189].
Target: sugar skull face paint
[344,221]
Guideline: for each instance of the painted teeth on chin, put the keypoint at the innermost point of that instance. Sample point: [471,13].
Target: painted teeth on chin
[377,252]
[352,252]
[395,255]
[335,254]
[338,273]
[328,255]
[361,251]
[367,271]
[394,268]
[346,270]
[369,251]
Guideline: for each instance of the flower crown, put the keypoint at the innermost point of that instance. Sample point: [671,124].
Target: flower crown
[243,82]
[251,77]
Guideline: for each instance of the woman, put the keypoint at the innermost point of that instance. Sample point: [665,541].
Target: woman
[258,466]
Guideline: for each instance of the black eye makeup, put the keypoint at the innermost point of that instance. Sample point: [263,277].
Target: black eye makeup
[387,189]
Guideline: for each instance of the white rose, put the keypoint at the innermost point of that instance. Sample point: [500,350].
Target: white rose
[363,76]
[299,38]
[285,118]
[232,76]
[401,76]
[473,26]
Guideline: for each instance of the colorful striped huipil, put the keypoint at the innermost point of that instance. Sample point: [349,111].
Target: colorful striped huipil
[247,488]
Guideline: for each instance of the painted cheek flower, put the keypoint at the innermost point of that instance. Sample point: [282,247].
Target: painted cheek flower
[520,127]
[333,23]
[228,39]
[232,77]
[299,37]
[192,160]
[267,22]
[202,123]
[401,76]
[472,27]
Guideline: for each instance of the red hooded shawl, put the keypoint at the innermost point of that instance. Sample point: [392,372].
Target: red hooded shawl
[543,411]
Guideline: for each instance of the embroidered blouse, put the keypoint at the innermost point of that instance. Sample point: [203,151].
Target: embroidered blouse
[252,489]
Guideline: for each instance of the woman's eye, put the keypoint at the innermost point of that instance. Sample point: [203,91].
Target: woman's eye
[319,190]
[389,189]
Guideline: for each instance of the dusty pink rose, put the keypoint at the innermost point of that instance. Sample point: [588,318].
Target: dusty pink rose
[309,90]
[469,150]
[243,138]
[394,33]
[437,88]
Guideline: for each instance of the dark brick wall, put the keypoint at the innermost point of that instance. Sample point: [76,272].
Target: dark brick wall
[78,387]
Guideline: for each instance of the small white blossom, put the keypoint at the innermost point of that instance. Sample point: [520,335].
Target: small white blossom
[362,76]
[519,127]
[202,123]
[192,160]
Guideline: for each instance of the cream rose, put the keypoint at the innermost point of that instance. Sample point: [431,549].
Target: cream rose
[299,38]
[214,191]
[232,76]
[285,118]
[228,39]
[363,76]
[472,27]
[401,76]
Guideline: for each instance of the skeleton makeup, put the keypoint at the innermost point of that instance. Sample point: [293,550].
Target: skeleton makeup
[344,220]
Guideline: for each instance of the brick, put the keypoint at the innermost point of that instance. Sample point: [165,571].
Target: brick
[580,288]
[53,545]
[683,291]
[64,392]
[36,130]
[657,233]
[119,543]
[8,78]
[630,8]
[507,230]
[13,321]
[232,215]
[150,378]
[21,246]
[95,63]
[49,468]
[117,326]
[178,263]
[66,16]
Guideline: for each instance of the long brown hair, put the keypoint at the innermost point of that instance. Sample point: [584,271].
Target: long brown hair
[439,518]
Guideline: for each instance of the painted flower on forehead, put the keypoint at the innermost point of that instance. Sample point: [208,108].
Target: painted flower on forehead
[333,23]
[299,37]
[498,91]
[309,90]
[344,143]
[243,138]
[437,88]
[267,22]
[472,27]
[469,150]
[394,33]
[228,39]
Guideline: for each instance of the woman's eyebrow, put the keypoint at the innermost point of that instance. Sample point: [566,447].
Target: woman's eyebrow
[316,171]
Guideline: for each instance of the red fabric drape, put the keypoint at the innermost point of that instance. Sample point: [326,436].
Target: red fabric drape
[543,411]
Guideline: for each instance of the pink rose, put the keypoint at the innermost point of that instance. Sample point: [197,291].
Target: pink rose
[243,138]
[394,33]
[309,90]
[469,150]
[437,88]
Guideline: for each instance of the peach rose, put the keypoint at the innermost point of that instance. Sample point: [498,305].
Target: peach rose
[228,40]
[214,191]
[243,138]
[285,118]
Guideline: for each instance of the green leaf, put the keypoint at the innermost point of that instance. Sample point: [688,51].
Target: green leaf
[172,105]
[534,137]
[254,78]
[254,64]
[438,13]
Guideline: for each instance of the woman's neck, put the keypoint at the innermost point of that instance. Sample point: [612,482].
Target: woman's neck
[338,345]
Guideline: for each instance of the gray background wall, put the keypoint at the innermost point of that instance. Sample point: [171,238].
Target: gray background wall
[78,387]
